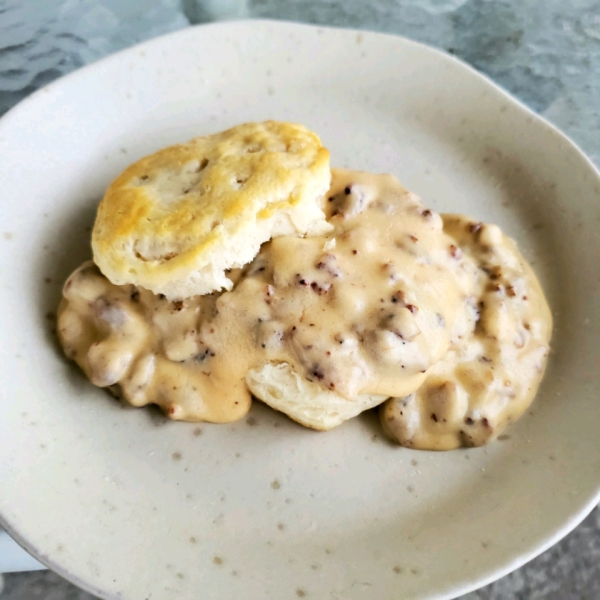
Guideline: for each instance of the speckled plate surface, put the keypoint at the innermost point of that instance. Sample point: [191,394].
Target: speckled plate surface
[128,505]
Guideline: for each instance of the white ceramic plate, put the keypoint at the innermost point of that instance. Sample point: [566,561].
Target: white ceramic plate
[130,506]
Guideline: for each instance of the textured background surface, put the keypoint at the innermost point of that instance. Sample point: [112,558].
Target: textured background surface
[545,53]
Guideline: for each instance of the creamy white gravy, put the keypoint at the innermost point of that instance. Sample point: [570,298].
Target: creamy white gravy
[394,301]
[489,379]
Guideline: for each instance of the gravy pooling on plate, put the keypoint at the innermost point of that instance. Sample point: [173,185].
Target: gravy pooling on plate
[440,314]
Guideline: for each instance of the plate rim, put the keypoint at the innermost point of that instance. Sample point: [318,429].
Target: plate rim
[538,120]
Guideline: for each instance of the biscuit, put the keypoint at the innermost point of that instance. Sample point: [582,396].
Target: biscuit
[306,402]
[176,221]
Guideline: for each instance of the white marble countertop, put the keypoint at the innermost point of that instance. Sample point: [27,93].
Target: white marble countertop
[545,53]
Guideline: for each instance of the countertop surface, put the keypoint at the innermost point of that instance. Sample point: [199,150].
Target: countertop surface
[547,54]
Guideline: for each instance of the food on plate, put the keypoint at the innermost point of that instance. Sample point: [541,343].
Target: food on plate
[339,295]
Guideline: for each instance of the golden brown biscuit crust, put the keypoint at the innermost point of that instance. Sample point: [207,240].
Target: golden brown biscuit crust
[174,221]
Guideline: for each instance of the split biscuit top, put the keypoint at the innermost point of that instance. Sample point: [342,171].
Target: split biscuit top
[175,222]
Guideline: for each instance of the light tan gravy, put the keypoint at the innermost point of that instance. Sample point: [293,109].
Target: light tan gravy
[378,306]
[489,380]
